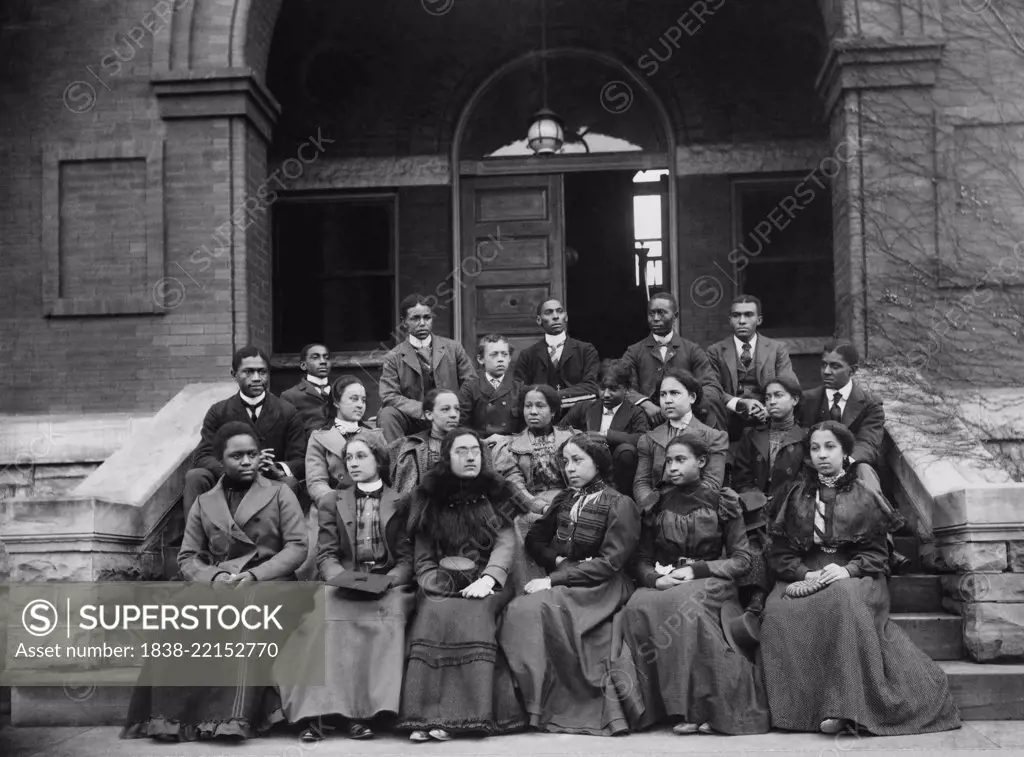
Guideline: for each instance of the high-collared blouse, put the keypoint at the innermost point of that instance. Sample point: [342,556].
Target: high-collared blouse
[691,525]
[597,535]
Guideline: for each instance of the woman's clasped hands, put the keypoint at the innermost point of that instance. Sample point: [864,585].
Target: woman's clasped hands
[828,574]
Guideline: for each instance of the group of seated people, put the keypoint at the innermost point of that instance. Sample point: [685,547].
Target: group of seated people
[580,546]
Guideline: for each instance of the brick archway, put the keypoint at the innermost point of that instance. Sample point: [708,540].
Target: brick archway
[207,35]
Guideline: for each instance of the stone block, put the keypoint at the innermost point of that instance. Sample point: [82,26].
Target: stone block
[962,557]
[984,587]
[1015,556]
[994,631]
[16,475]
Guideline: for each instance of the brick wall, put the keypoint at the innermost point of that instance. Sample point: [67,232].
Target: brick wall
[745,75]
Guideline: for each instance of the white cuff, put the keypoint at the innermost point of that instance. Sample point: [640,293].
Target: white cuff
[731,404]
[285,468]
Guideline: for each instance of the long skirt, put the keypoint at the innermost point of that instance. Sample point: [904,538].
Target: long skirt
[456,677]
[191,713]
[679,664]
[363,650]
[836,654]
[558,643]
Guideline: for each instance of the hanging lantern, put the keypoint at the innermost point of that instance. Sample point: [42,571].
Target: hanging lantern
[545,135]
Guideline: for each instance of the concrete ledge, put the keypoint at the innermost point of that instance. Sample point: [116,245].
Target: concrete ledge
[27,440]
[107,527]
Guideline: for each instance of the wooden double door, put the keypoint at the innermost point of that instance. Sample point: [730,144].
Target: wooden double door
[513,242]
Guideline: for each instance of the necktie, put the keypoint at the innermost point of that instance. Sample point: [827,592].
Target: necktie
[835,412]
[746,359]
[495,382]
[254,411]
[553,350]
[325,390]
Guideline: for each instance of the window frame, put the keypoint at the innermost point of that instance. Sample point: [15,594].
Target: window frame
[343,358]
[786,181]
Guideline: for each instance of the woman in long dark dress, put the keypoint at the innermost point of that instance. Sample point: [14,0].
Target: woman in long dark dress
[246,529]
[833,660]
[457,679]
[362,530]
[559,638]
[683,665]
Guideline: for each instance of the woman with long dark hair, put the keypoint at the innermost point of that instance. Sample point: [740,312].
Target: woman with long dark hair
[460,522]
[833,660]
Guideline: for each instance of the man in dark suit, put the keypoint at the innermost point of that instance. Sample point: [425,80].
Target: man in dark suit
[558,360]
[279,431]
[663,348]
[311,397]
[615,418]
[422,362]
[745,363]
[845,400]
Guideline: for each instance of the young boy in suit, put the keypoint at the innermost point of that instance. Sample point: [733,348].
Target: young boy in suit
[490,403]
[616,418]
[312,395]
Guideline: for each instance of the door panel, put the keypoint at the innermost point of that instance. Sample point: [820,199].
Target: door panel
[512,255]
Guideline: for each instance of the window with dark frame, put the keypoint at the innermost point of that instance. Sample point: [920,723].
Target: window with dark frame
[782,252]
[334,273]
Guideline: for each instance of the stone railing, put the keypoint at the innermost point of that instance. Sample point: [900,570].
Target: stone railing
[107,527]
[968,509]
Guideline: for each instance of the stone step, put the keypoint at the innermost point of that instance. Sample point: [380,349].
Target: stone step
[915,592]
[983,692]
[986,692]
[72,700]
[938,634]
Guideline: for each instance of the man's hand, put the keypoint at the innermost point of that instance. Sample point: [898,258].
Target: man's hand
[267,465]
[654,415]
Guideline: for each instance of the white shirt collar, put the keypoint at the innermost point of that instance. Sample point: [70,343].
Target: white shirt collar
[371,487]
[492,379]
[613,411]
[321,382]
[346,427]
[844,392]
[739,344]
[556,340]
[682,422]
[667,339]
[420,344]
[253,400]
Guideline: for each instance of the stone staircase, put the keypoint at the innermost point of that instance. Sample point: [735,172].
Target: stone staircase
[919,607]
[962,600]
